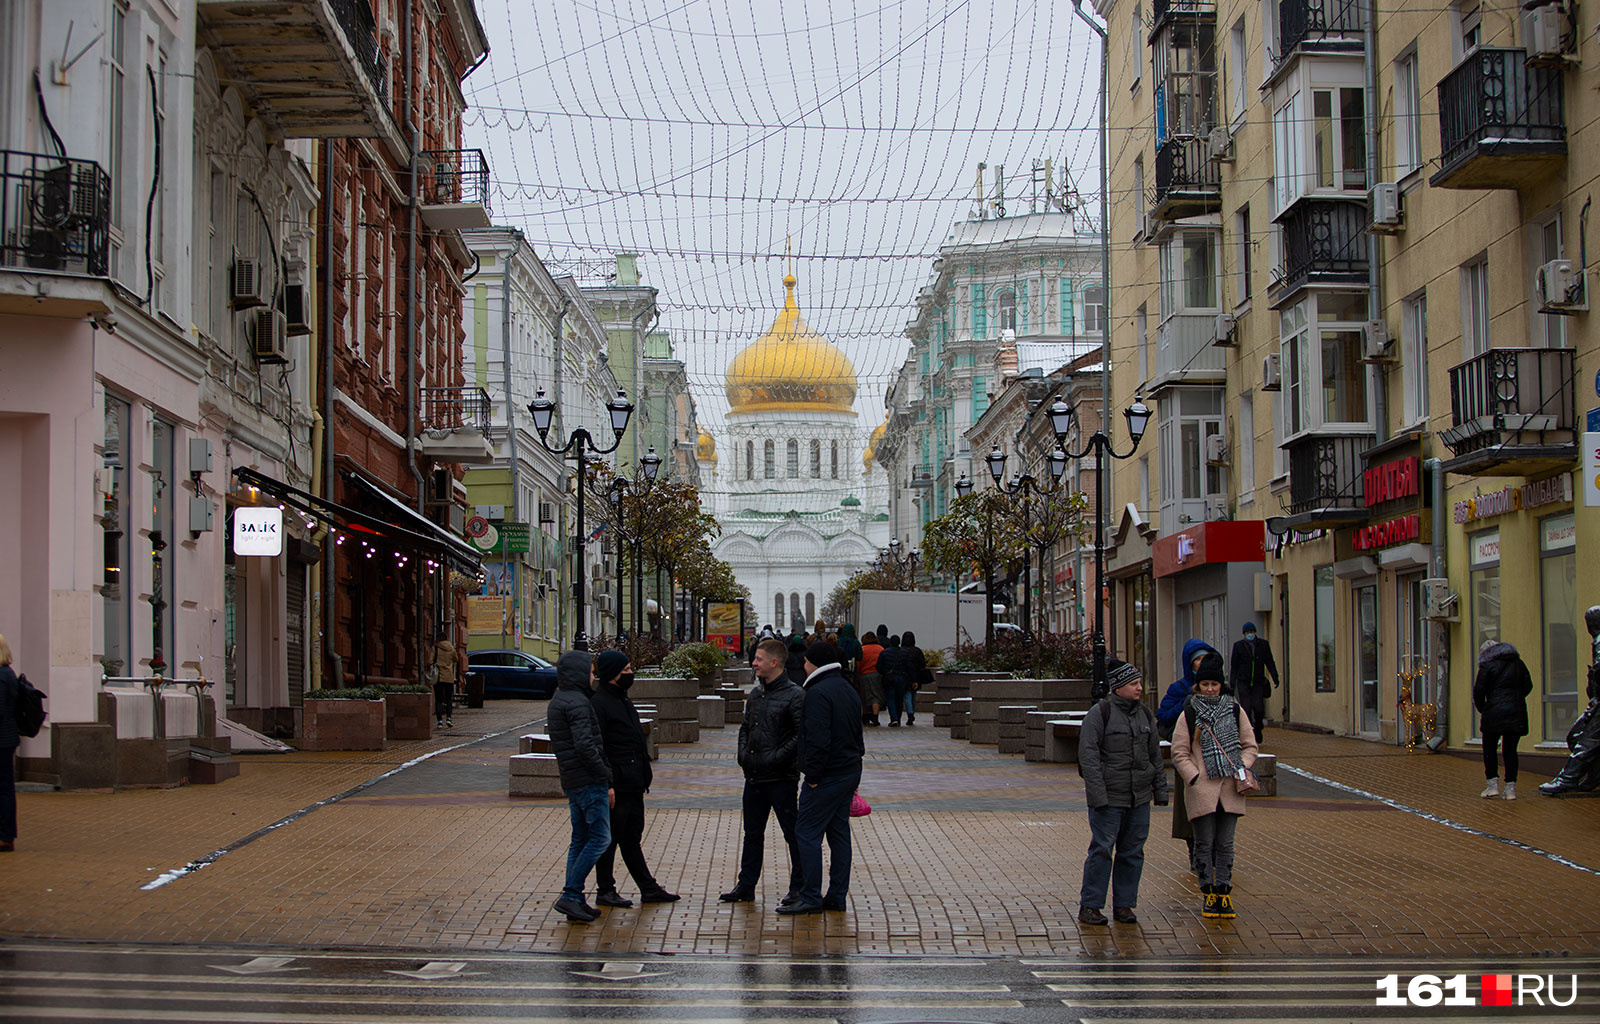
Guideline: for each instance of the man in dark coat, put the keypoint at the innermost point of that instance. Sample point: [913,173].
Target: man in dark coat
[1500,693]
[894,669]
[831,748]
[629,759]
[769,753]
[1119,756]
[585,778]
[1251,665]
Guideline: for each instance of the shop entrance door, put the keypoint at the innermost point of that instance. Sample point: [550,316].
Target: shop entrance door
[1367,659]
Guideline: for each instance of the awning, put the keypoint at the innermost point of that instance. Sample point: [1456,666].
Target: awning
[433,541]
[415,521]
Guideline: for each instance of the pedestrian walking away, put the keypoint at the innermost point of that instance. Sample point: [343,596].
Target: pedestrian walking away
[796,661]
[916,671]
[894,668]
[1119,756]
[1254,675]
[831,747]
[1172,706]
[1213,747]
[1500,693]
[585,778]
[444,682]
[10,739]
[868,679]
[769,754]
[622,735]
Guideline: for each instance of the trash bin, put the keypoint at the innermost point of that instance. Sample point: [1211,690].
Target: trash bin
[474,687]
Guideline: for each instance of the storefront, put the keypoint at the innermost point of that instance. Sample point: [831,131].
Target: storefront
[1211,575]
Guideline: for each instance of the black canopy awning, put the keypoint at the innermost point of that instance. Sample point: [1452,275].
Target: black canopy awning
[397,511]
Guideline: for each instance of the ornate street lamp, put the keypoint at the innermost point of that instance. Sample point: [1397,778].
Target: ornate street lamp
[996,460]
[963,486]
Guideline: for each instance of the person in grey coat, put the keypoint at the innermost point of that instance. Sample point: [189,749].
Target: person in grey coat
[1119,755]
[585,777]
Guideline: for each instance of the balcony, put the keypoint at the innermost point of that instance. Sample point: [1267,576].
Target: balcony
[1185,353]
[310,68]
[1324,243]
[1161,10]
[1318,26]
[455,425]
[1187,183]
[1502,124]
[1514,412]
[455,189]
[1325,474]
[55,217]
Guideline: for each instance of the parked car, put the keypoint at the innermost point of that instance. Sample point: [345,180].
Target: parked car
[513,674]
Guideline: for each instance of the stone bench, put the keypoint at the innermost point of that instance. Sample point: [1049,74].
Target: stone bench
[534,743]
[712,712]
[960,717]
[1266,769]
[733,699]
[1013,728]
[941,714]
[535,775]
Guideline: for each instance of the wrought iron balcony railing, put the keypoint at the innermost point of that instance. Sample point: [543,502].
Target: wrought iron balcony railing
[1187,182]
[55,214]
[1324,242]
[1499,119]
[1325,476]
[361,32]
[1307,23]
[1160,10]
[453,176]
[448,409]
[1512,405]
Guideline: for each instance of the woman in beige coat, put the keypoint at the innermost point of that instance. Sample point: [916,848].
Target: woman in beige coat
[1212,745]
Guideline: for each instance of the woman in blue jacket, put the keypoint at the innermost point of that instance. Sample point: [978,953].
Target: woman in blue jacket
[1172,706]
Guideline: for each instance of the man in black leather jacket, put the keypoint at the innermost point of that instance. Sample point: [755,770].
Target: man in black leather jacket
[769,753]
[585,778]
[629,758]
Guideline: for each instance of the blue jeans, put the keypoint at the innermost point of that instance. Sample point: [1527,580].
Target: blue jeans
[1125,829]
[591,834]
[825,810]
[901,699]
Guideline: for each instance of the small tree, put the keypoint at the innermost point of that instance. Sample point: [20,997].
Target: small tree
[1046,520]
[975,533]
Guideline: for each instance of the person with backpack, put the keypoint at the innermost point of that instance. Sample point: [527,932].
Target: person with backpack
[917,672]
[10,739]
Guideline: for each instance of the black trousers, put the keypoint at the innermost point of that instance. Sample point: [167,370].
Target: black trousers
[1254,701]
[1492,741]
[627,829]
[762,799]
[8,794]
[444,699]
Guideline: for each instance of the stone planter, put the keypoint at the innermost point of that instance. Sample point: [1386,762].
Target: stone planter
[343,725]
[408,716]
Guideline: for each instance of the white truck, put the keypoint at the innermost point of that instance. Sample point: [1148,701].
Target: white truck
[932,616]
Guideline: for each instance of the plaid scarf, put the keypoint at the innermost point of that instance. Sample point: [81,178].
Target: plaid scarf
[1216,719]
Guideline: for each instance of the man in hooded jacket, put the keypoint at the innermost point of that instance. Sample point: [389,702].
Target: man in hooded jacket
[585,778]
[769,753]
[622,734]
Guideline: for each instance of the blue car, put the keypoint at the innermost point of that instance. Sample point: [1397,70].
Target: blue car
[513,674]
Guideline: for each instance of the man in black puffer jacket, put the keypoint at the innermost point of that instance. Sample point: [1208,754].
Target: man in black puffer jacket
[629,759]
[769,753]
[585,778]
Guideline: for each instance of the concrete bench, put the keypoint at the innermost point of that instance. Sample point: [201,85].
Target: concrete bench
[535,775]
[712,712]
[534,743]
[1013,728]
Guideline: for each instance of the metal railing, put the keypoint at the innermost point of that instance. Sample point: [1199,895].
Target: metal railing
[1494,98]
[361,32]
[454,408]
[455,176]
[1182,166]
[1509,390]
[1325,237]
[55,214]
[1325,473]
[1162,9]
[1302,20]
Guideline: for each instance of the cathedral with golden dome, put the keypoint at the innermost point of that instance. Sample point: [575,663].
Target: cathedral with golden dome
[801,501]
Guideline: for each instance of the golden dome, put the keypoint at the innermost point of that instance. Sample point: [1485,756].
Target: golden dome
[705,448]
[791,367]
[870,456]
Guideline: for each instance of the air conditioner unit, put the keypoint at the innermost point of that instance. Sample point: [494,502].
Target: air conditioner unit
[1227,323]
[1217,450]
[269,336]
[1439,604]
[1376,342]
[1544,31]
[547,512]
[294,310]
[1272,372]
[1219,144]
[244,283]
[550,578]
[1561,288]
[1385,205]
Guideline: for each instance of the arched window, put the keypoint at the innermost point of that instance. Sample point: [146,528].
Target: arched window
[777,610]
[1008,310]
[1094,309]
[749,460]
[792,462]
[816,458]
[769,455]
[811,607]
[796,623]
[833,447]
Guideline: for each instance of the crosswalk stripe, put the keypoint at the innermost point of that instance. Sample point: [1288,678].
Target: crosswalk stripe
[211,1016]
[217,984]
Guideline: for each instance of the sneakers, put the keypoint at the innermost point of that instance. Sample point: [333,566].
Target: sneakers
[1124,915]
[1511,791]
[612,898]
[1210,902]
[1091,915]
[1554,788]
[1224,895]
[576,910]
[1492,789]
[449,723]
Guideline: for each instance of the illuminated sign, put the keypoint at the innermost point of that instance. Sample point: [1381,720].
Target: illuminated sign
[258,531]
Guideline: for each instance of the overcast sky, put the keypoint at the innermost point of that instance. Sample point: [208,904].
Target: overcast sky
[707,134]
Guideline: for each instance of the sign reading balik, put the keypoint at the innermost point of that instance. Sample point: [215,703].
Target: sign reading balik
[258,531]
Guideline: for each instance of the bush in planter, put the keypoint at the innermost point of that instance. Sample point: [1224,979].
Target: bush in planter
[347,693]
[406,688]
[353,718]
[694,661]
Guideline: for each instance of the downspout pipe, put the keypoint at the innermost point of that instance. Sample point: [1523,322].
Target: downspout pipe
[422,637]
[329,547]
[1374,246]
[1441,631]
[511,414]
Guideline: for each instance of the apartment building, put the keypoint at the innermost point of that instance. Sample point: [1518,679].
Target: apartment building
[1347,256]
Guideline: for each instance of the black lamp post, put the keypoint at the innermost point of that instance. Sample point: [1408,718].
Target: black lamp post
[963,486]
[1138,416]
[620,487]
[542,409]
[1024,484]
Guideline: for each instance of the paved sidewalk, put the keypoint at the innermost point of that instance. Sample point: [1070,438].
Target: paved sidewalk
[967,852]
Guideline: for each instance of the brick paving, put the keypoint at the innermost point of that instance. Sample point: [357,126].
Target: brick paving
[967,852]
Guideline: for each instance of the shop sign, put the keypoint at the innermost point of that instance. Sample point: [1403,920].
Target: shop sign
[1558,533]
[1373,536]
[1514,499]
[258,531]
[486,616]
[1591,470]
[1392,481]
[1485,548]
[1242,540]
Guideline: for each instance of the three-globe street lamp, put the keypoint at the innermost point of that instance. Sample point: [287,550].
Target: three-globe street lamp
[1138,416]
[542,409]
[616,491]
[1024,486]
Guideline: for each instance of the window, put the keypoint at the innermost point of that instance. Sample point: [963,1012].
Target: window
[1475,307]
[769,455]
[1189,273]
[1068,324]
[1244,244]
[1008,310]
[1189,486]
[1094,309]
[1141,332]
[1136,48]
[1339,144]
[1269,37]
[1280,455]
[811,607]
[1244,447]
[1185,78]
[816,458]
[777,610]
[1237,59]
[1323,580]
[1414,358]
[980,397]
[1323,373]
[980,313]
[833,459]
[116,49]
[116,533]
[749,460]
[792,458]
[1483,563]
[1549,329]
[1564,652]
[158,218]
[1144,484]
[1138,195]
[1407,114]
[1288,171]
[1022,309]
[1468,19]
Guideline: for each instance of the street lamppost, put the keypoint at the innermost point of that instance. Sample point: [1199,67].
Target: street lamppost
[618,490]
[542,409]
[1138,416]
[1023,485]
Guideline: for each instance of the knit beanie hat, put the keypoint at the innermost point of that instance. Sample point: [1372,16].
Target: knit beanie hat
[608,665]
[822,653]
[1210,668]
[1119,673]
